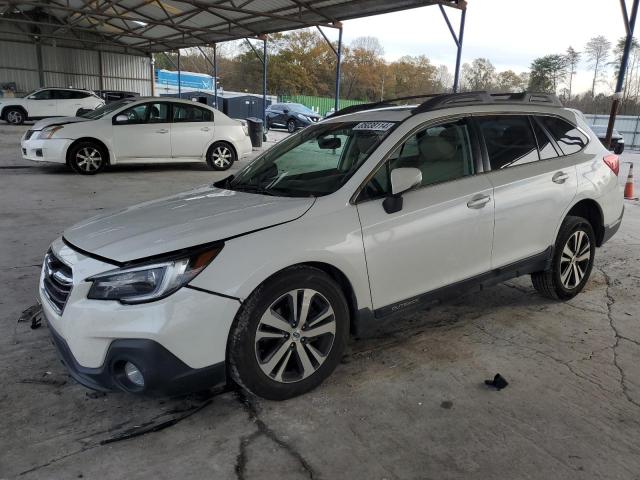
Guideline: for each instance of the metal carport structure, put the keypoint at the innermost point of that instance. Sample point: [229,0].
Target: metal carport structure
[144,27]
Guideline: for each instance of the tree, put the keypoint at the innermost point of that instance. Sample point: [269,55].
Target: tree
[508,81]
[631,74]
[597,52]
[547,73]
[480,74]
[573,59]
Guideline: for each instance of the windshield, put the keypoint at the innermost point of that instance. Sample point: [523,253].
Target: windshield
[299,108]
[315,162]
[105,109]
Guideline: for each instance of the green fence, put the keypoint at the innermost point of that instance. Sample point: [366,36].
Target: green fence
[318,104]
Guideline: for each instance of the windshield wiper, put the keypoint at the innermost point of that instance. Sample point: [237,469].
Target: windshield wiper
[252,189]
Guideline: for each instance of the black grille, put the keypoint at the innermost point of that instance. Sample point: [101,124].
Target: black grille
[29,134]
[57,281]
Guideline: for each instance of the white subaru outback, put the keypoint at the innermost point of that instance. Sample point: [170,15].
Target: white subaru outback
[261,278]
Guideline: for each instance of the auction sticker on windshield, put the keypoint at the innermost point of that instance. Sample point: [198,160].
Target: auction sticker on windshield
[377,126]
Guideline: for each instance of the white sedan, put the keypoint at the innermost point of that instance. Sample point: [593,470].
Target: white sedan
[141,130]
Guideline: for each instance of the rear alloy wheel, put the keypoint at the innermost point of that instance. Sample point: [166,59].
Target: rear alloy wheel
[15,116]
[572,261]
[289,335]
[87,158]
[291,126]
[221,156]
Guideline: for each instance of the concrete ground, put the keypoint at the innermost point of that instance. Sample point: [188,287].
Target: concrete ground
[407,405]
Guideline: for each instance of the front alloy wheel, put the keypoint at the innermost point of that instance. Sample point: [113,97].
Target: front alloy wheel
[87,158]
[15,117]
[289,335]
[295,335]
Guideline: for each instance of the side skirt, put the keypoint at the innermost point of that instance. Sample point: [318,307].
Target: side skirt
[368,322]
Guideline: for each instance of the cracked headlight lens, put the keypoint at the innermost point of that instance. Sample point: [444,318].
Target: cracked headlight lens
[149,282]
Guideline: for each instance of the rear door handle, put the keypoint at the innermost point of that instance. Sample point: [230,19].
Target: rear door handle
[162,130]
[478,201]
[205,129]
[560,177]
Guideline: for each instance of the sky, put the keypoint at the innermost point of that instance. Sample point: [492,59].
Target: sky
[510,33]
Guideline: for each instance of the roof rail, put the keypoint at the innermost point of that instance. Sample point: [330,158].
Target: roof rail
[485,98]
[381,104]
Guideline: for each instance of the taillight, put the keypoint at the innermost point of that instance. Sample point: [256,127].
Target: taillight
[613,163]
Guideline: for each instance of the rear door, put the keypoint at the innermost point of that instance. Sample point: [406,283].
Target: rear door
[145,135]
[191,130]
[533,186]
[444,231]
[68,102]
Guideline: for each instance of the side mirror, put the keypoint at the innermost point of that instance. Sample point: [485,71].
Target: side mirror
[330,143]
[121,119]
[402,179]
[286,110]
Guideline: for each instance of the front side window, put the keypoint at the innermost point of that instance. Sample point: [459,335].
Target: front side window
[509,140]
[569,138]
[145,113]
[315,162]
[41,95]
[190,113]
[442,153]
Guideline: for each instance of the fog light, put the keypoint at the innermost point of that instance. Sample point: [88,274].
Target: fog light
[38,152]
[133,374]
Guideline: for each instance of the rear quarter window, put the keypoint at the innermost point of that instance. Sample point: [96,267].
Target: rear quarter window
[567,136]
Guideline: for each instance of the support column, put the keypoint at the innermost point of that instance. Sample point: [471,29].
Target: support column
[179,77]
[338,65]
[153,74]
[100,72]
[215,75]
[39,60]
[456,77]
[264,81]
[629,23]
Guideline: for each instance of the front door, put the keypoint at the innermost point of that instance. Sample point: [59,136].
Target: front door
[444,231]
[145,135]
[42,104]
[191,131]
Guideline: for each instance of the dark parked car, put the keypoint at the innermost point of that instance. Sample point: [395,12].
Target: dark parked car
[290,116]
[617,141]
[111,96]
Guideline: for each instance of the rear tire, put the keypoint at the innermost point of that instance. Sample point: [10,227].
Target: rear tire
[277,351]
[572,261]
[87,158]
[221,156]
[15,116]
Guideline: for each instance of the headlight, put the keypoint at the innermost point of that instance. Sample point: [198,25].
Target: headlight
[303,117]
[152,281]
[245,128]
[48,132]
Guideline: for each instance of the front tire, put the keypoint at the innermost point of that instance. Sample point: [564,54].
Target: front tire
[15,116]
[291,126]
[221,156]
[572,261]
[289,335]
[87,158]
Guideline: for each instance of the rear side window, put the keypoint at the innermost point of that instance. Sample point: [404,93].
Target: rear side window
[509,140]
[569,138]
[545,146]
[190,113]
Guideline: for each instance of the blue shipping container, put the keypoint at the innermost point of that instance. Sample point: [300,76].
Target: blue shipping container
[187,79]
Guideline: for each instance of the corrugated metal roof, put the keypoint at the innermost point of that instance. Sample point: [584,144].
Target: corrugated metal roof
[143,26]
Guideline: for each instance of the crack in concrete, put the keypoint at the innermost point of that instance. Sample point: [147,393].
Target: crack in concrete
[57,459]
[566,364]
[263,429]
[610,303]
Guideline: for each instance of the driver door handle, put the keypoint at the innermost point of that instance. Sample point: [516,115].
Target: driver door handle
[560,177]
[162,130]
[478,201]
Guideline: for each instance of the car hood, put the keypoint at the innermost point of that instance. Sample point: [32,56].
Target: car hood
[200,216]
[47,122]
